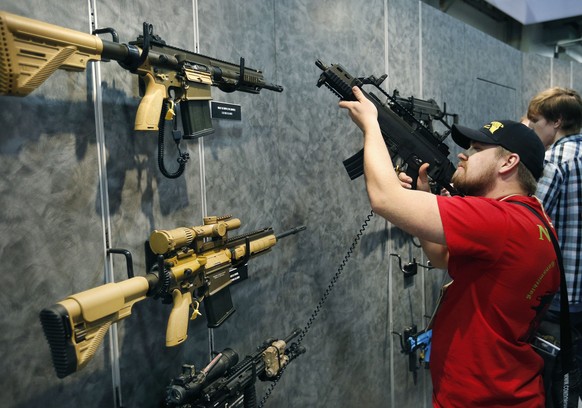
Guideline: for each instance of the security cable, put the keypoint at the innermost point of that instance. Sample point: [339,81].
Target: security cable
[322,301]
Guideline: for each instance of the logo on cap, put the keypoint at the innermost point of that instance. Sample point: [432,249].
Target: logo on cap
[493,126]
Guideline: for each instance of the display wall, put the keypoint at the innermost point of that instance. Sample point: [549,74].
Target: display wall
[77,180]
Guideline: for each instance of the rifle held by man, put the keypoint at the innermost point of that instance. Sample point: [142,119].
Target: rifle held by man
[404,134]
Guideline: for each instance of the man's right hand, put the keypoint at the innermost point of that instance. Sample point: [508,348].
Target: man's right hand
[422,181]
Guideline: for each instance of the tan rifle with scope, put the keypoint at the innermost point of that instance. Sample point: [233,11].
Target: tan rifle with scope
[192,265]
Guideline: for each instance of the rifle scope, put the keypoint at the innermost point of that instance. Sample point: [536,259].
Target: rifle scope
[187,387]
[164,241]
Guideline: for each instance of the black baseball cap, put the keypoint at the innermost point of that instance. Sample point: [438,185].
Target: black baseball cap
[514,136]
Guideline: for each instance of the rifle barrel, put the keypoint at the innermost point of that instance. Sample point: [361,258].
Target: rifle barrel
[291,232]
[296,332]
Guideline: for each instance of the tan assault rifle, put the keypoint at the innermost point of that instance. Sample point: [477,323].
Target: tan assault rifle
[192,265]
[32,50]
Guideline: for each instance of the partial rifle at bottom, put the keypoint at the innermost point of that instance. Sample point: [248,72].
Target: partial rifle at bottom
[225,382]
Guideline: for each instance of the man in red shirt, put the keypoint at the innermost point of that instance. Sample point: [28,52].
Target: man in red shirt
[498,252]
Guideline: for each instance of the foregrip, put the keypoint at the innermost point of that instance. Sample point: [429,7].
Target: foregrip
[337,80]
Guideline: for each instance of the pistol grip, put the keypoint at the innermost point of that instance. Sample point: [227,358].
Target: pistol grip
[413,173]
[177,329]
[150,107]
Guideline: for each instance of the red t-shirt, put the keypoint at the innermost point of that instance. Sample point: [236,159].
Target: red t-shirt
[505,273]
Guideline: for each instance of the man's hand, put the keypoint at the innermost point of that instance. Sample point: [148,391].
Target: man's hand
[362,111]
[421,182]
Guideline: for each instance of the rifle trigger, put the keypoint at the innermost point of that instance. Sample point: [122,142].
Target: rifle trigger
[195,312]
[170,113]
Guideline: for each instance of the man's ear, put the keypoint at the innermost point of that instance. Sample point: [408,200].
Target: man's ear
[510,162]
[558,123]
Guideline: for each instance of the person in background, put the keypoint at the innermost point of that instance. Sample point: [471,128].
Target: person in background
[555,114]
[504,275]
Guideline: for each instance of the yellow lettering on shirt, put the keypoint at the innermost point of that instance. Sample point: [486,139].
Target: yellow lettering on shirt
[544,233]
[539,280]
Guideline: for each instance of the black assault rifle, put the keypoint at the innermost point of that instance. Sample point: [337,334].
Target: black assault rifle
[404,123]
[225,382]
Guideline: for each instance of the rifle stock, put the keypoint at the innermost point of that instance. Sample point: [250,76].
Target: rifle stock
[192,265]
[75,326]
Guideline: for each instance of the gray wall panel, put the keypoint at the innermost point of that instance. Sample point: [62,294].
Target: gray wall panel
[280,166]
[312,138]
[407,295]
[142,199]
[536,77]
[495,72]
[577,77]
[445,68]
[561,73]
[51,242]
[444,63]
[47,253]
[403,47]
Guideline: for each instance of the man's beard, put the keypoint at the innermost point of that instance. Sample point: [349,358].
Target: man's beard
[475,186]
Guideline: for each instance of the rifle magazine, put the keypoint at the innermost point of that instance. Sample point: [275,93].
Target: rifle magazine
[218,308]
[355,165]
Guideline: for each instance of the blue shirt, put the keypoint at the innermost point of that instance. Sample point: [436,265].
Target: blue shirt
[560,190]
